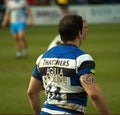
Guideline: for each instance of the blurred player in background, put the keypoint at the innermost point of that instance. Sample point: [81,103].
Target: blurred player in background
[64,6]
[19,15]
[67,74]
[57,40]
[2,10]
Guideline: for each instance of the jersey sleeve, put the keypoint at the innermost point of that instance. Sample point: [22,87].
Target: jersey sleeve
[86,65]
[16,5]
[36,72]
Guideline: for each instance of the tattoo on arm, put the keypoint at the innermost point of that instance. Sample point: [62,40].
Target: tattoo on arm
[88,79]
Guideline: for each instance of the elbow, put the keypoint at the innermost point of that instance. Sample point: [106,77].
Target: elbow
[30,93]
[94,97]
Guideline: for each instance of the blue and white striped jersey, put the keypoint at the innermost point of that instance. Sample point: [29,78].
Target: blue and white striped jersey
[59,69]
[18,10]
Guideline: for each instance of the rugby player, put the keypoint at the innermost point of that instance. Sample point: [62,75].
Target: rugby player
[20,15]
[67,73]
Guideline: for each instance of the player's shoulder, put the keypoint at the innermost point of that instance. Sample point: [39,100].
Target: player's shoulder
[84,58]
[38,59]
[23,2]
[13,5]
[80,53]
[76,50]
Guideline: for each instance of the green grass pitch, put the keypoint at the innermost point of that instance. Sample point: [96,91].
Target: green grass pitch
[102,42]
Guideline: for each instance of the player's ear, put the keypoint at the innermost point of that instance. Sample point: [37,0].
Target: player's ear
[80,35]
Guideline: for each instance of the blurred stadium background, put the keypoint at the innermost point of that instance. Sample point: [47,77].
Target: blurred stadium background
[102,42]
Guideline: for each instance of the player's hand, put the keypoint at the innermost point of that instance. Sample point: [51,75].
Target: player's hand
[30,22]
[3,24]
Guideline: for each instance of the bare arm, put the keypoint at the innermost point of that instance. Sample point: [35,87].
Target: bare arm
[33,94]
[5,19]
[30,16]
[94,92]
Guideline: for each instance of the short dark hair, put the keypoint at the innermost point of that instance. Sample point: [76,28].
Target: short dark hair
[69,26]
